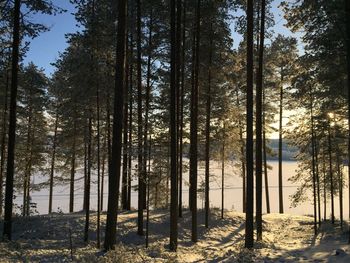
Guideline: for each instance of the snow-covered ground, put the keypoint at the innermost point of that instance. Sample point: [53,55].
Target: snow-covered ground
[286,238]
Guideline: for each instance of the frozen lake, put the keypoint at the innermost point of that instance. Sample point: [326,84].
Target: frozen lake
[233,192]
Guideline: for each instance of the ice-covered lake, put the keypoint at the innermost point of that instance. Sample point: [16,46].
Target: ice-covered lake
[233,192]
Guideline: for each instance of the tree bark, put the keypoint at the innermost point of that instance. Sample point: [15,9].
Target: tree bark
[280,132]
[331,172]
[72,171]
[313,162]
[258,155]
[3,141]
[182,88]
[53,158]
[347,15]
[207,130]
[114,169]
[223,172]
[7,230]
[249,226]
[267,195]
[194,129]
[173,130]
[88,181]
[139,124]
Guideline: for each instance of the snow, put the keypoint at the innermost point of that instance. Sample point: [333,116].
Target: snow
[286,238]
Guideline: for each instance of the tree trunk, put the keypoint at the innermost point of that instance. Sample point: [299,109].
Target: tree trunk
[267,195]
[249,226]
[130,135]
[223,171]
[194,129]
[318,183]
[103,170]
[125,190]
[324,186]
[3,141]
[347,15]
[331,173]
[88,181]
[280,132]
[243,163]
[7,230]
[139,125]
[148,94]
[114,171]
[27,163]
[148,191]
[207,130]
[52,171]
[182,87]
[313,163]
[340,183]
[258,148]
[173,130]
[72,171]
[98,167]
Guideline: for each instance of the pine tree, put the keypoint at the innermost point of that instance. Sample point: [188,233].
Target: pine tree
[173,129]
[249,227]
[114,169]
[258,155]
[12,123]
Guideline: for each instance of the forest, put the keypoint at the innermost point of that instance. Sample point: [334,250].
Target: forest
[175,131]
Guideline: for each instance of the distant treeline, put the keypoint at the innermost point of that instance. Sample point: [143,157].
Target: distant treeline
[288,152]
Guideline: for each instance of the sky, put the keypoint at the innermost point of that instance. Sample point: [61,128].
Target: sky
[45,49]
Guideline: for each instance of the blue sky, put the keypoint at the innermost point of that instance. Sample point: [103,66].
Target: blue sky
[45,49]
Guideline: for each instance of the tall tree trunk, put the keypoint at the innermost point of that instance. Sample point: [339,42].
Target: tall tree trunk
[29,171]
[148,94]
[114,169]
[85,164]
[347,15]
[318,182]
[148,190]
[223,172]
[331,173]
[280,132]
[125,190]
[108,142]
[207,129]
[324,185]
[173,129]
[7,230]
[243,163]
[194,129]
[103,164]
[130,133]
[53,158]
[313,162]
[98,166]
[139,124]
[340,186]
[193,62]
[258,156]
[27,163]
[72,171]
[267,195]
[249,226]
[88,181]
[3,141]
[182,87]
